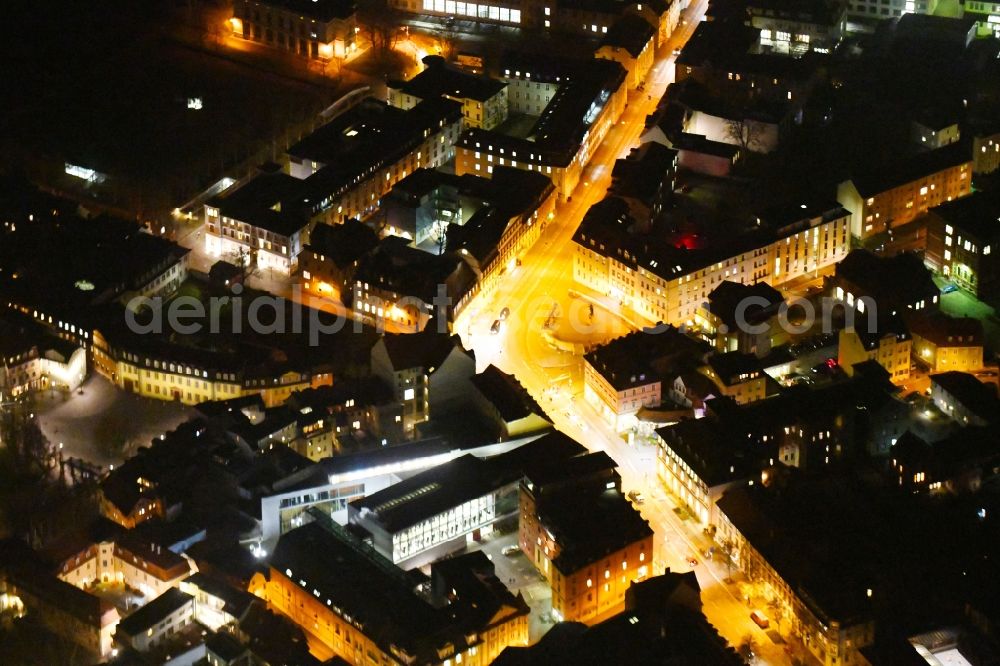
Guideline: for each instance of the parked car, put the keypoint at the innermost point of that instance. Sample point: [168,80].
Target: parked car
[948,288]
[677,51]
[495,328]
[504,314]
[692,561]
[511,550]
[636,497]
[760,619]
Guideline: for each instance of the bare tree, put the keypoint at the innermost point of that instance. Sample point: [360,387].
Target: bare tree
[746,133]
[381,24]
[246,260]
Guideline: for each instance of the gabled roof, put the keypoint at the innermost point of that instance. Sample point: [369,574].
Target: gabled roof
[631,33]
[505,393]
[439,79]
[155,611]
[427,349]
[974,395]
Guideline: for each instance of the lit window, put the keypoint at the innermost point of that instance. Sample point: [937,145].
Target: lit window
[408,394]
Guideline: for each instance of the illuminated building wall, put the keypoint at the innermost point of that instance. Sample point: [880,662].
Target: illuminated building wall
[34,371]
[361,197]
[890,349]
[637,67]
[986,147]
[151,572]
[227,237]
[674,295]
[277,26]
[593,589]
[896,206]
[478,152]
[882,9]
[831,641]
[618,407]
[163,379]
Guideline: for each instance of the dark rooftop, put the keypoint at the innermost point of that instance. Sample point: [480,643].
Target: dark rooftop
[343,243]
[272,201]
[977,214]
[630,32]
[321,10]
[724,300]
[974,395]
[156,610]
[439,79]
[872,179]
[590,526]
[505,393]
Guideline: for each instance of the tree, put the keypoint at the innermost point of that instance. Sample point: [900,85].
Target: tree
[246,260]
[381,24]
[726,547]
[745,132]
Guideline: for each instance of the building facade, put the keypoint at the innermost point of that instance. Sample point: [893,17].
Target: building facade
[316,29]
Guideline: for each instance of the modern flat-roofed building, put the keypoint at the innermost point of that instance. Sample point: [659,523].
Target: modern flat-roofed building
[483,99]
[350,163]
[436,512]
[963,239]
[375,614]
[314,29]
[887,197]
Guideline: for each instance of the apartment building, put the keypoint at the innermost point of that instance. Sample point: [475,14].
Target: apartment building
[261,223]
[662,283]
[962,239]
[627,374]
[942,343]
[141,565]
[885,198]
[630,42]
[889,344]
[350,163]
[483,99]
[375,614]
[575,102]
[314,29]
[428,372]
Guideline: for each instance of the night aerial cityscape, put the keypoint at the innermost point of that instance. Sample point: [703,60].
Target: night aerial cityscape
[525,333]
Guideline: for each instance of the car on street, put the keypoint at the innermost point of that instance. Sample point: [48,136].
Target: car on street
[636,497]
[949,288]
[504,314]
[692,561]
[511,550]
[495,328]
[677,51]
[760,619]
